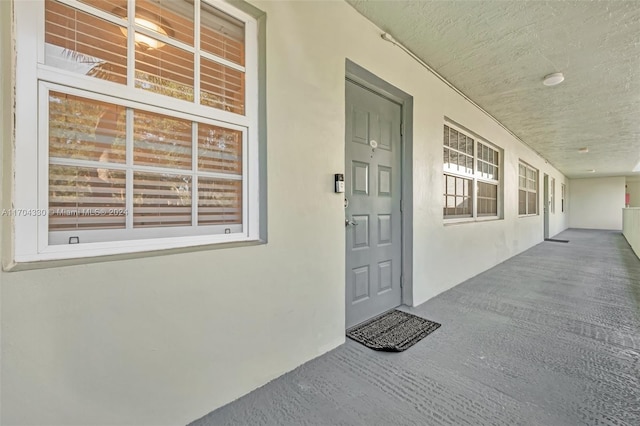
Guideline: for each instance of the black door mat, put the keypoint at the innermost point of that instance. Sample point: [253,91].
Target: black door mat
[393,331]
[551,240]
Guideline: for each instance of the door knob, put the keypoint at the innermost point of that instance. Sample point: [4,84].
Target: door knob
[348,222]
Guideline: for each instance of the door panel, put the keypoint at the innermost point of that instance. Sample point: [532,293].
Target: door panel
[373,218]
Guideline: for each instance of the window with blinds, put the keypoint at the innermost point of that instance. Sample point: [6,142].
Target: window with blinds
[159,149]
[527,189]
[471,176]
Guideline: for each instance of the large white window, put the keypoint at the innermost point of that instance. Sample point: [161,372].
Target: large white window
[471,176]
[146,134]
[527,190]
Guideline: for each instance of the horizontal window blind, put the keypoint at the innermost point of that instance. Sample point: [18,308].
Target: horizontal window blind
[471,176]
[458,151]
[116,164]
[90,172]
[458,201]
[84,198]
[79,42]
[487,199]
[165,54]
[527,190]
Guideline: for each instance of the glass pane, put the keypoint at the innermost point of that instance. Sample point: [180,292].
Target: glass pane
[468,206]
[453,139]
[85,129]
[451,185]
[219,149]
[462,162]
[167,17]
[530,173]
[445,158]
[161,141]
[522,182]
[523,170]
[221,34]
[460,187]
[221,87]
[166,70]
[115,7]
[487,199]
[533,203]
[161,200]
[86,198]
[469,165]
[453,158]
[219,201]
[469,146]
[84,44]
[522,202]
[446,136]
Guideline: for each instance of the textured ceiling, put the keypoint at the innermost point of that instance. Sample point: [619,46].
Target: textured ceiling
[497,53]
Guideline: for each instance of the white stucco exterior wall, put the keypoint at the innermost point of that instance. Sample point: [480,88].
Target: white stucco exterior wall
[163,340]
[597,203]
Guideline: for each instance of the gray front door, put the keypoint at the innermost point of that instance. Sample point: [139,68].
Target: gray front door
[372,204]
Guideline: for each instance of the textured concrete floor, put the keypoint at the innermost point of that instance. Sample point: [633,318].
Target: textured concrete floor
[550,337]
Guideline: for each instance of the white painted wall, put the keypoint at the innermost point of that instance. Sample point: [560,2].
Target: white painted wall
[166,339]
[597,203]
[633,189]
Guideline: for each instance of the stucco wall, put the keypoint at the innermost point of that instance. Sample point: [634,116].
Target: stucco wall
[166,339]
[597,203]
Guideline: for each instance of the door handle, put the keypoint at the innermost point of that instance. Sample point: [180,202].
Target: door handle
[348,222]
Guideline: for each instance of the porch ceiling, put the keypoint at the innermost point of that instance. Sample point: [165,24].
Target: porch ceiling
[497,53]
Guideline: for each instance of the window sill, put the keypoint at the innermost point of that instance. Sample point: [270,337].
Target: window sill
[448,222]
[528,215]
[40,262]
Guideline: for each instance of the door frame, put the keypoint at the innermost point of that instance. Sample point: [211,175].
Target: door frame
[370,81]
[545,203]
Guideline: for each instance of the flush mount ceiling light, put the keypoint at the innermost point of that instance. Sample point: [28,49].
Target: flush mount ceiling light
[583,150]
[592,171]
[145,41]
[553,79]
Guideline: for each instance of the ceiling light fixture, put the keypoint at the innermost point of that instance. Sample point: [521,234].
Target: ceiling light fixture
[553,79]
[583,150]
[592,171]
[145,41]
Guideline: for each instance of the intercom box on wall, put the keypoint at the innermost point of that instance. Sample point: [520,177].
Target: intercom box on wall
[339,179]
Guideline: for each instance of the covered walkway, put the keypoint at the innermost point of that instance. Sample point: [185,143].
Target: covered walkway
[549,337]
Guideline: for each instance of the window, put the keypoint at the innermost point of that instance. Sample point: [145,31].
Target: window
[527,190]
[471,176]
[552,195]
[147,136]
[563,191]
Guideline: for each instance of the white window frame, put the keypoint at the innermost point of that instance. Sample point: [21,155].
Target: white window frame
[563,189]
[537,191]
[475,177]
[30,195]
